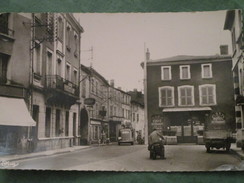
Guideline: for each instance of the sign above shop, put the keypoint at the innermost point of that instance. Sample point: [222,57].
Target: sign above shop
[89,101]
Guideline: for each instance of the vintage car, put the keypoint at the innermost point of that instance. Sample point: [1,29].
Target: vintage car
[126,136]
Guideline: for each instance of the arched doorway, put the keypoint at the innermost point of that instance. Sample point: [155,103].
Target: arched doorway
[84,126]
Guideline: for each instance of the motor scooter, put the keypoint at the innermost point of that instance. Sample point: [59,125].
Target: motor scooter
[157,149]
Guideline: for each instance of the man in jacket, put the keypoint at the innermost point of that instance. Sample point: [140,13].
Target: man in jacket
[154,138]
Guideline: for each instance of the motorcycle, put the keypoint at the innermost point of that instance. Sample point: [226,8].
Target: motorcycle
[157,149]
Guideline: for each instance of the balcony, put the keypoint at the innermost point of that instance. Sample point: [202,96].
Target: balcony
[59,89]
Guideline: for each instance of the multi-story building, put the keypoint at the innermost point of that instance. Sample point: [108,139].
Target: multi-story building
[40,54]
[234,23]
[182,92]
[119,110]
[15,70]
[94,117]
[55,79]
[137,113]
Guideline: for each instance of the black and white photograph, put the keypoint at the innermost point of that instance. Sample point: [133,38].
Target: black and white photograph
[122,92]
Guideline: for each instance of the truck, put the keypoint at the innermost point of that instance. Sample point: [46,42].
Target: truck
[126,135]
[216,133]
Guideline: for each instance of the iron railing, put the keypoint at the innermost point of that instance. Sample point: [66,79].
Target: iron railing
[66,86]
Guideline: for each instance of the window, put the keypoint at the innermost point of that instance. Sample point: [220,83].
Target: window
[75,77]
[185,72]
[166,96]
[60,29]
[3,68]
[115,111]
[206,70]
[92,85]
[133,116]
[59,67]
[186,95]
[37,58]
[67,75]
[49,63]
[83,85]
[74,124]
[207,94]
[76,45]
[111,110]
[166,72]
[4,23]
[68,38]
[48,122]
[137,117]
[67,123]
[96,88]
[233,36]
[58,131]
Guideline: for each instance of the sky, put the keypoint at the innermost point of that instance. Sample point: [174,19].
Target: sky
[119,40]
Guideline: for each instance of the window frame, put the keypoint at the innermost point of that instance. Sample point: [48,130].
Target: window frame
[37,66]
[214,95]
[68,75]
[192,96]
[75,78]
[48,69]
[188,71]
[162,73]
[210,68]
[160,96]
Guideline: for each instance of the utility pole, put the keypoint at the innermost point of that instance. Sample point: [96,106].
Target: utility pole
[145,94]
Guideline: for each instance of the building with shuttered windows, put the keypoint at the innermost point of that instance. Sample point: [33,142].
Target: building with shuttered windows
[182,92]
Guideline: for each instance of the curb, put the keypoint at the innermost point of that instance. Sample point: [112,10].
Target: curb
[241,157]
[43,155]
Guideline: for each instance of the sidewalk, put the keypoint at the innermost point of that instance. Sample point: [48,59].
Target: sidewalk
[41,154]
[237,151]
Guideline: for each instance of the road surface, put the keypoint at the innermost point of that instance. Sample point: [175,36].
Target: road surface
[187,157]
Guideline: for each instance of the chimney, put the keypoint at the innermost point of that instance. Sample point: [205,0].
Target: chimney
[119,88]
[112,82]
[147,55]
[224,50]
[135,90]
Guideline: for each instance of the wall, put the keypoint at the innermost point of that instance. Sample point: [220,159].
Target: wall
[20,58]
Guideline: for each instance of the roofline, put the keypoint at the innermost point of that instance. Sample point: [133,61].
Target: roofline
[190,61]
[76,23]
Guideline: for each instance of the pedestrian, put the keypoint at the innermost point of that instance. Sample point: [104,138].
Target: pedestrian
[155,137]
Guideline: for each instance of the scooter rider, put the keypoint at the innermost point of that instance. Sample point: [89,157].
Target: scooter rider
[154,138]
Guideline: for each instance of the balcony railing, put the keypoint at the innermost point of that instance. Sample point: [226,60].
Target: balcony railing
[61,84]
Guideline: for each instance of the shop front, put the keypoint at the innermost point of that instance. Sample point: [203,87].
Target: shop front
[99,131]
[186,123]
[16,127]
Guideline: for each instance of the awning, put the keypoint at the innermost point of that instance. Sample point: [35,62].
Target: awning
[14,112]
[187,109]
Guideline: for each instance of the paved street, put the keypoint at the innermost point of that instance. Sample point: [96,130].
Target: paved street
[133,158]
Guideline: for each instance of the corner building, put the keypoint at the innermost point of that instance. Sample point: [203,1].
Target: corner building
[184,90]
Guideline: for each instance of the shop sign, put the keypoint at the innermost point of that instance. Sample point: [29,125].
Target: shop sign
[89,101]
[157,122]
